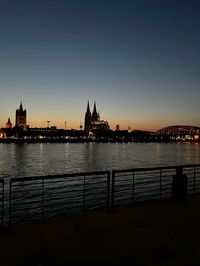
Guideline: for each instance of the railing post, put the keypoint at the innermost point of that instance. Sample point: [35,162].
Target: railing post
[83,192]
[113,190]
[108,190]
[43,198]
[2,209]
[160,183]
[194,189]
[10,203]
[133,190]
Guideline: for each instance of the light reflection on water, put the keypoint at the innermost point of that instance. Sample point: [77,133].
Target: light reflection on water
[17,160]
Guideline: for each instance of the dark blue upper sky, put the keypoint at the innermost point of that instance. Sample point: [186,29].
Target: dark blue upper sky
[138,59]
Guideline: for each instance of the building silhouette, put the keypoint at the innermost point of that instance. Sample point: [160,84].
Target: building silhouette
[8,124]
[95,115]
[92,120]
[20,121]
[88,118]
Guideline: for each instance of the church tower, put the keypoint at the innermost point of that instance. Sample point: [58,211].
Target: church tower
[95,115]
[92,120]
[88,118]
[21,117]
[8,124]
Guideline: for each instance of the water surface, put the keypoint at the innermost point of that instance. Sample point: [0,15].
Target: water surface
[17,160]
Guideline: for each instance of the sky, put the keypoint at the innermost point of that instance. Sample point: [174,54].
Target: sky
[138,59]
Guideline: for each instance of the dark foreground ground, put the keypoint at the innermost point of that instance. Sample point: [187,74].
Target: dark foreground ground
[163,233]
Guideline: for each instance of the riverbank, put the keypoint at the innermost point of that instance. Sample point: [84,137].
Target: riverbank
[162,233]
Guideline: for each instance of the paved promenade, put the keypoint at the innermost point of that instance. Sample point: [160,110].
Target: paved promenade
[162,233]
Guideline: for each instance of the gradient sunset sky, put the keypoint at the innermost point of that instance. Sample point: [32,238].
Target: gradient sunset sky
[139,59]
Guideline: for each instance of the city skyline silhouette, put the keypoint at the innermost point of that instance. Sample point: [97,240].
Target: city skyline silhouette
[91,122]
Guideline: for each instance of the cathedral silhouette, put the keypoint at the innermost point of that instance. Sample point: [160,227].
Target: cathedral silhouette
[92,120]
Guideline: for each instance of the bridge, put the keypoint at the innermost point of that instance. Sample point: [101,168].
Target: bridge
[179,132]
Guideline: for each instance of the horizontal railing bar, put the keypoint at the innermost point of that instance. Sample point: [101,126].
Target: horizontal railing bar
[25,203]
[57,208]
[73,189]
[77,193]
[16,185]
[78,180]
[155,168]
[27,191]
[67,187]
[94,196]
[68,202]
[49,192]
[147,189]
[148,185]
[17,179]
[17,196]
[74,199]
[90,193]
[118,190]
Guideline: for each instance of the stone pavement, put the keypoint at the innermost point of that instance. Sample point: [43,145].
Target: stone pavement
[159,233]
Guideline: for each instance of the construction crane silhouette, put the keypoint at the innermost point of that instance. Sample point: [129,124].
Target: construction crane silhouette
[47,121]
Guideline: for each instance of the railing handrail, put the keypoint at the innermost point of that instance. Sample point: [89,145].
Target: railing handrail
[140,169]
[77,174]
[33,178]
[2,201]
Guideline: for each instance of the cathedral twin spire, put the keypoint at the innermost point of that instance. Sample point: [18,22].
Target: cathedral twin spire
[91,117]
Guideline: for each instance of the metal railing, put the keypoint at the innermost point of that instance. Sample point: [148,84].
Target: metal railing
[40,197]
[193,174]
[141,184]
[1,202]
[44,196]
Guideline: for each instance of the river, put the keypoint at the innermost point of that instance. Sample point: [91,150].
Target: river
[20,160]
